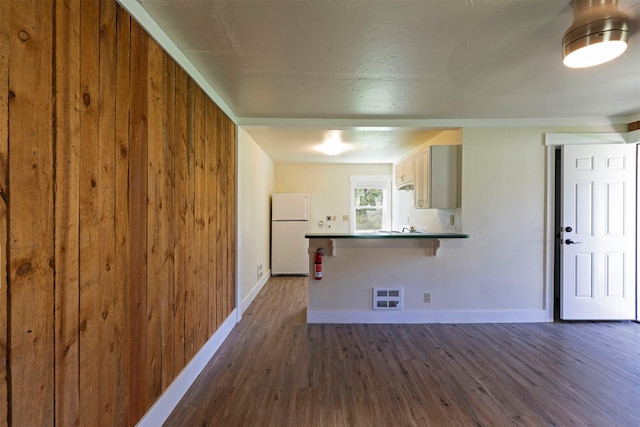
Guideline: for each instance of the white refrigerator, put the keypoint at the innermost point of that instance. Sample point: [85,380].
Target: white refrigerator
[289,224]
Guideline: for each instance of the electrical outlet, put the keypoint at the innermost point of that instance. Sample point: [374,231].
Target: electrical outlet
[345,217]
[259,271]
[427,297]
[452,220]
[333,218]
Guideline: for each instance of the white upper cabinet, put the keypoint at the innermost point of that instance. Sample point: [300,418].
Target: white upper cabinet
[421,190]
[437,177]
[404,173]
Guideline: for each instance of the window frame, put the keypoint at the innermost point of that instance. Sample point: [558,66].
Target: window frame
[382,182]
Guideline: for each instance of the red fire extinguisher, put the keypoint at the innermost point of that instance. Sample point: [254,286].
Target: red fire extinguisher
[318,264]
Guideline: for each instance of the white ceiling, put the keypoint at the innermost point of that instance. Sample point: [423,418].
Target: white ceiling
[382,70]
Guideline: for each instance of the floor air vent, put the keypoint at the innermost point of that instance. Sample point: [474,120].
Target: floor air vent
[387,298]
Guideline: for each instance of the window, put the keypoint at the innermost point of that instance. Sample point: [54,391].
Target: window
[370,203]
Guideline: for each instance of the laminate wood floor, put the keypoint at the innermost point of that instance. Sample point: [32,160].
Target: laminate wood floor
[275,370]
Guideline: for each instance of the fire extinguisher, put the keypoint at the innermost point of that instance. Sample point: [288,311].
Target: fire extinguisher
[318,264]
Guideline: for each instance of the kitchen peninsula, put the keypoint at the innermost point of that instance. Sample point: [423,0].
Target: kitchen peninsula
[381,277]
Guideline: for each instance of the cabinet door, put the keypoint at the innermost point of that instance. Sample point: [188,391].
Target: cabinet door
[437,177]
[399,173]
[444,176]
[422,191]
[407,169]
[404,171]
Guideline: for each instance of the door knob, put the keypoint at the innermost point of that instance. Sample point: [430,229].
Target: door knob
[571,242]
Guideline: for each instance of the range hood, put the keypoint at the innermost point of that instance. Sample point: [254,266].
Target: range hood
[407,186]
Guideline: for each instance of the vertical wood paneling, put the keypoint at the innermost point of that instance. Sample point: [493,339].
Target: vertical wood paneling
[67,211]
[105,304]
[121,267]
[190,285]
[90,215]
[97,362]
[156,274]
[226,211]
[229,141]
[4,176]
[202,227]
[212,216]
[31,228]
[183,218]
[129,171]
[221,209]
[168,201]
[138,402]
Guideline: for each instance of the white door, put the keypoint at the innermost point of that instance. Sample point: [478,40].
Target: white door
[598,214]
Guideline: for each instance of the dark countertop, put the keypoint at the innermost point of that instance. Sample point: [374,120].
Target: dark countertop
[387,235]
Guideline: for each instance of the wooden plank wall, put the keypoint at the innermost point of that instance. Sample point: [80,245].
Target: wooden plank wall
[117,215]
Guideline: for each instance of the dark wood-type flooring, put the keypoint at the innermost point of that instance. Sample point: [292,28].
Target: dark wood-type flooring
[275,370]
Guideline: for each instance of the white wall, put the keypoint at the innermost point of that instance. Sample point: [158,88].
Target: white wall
[329,186]
[255,185]
[503,209]
[500,267]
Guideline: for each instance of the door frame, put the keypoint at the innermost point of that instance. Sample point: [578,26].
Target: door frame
[552,141]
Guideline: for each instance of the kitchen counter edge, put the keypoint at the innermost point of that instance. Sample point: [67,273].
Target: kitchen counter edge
[383,235]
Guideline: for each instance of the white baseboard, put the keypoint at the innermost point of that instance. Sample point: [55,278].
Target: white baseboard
[162,408]
[484,316]
[246,302]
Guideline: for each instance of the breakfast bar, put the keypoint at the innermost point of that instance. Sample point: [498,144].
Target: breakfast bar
[380,277]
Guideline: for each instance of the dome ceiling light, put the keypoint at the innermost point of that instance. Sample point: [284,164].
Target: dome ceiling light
[598,34]
[332,145]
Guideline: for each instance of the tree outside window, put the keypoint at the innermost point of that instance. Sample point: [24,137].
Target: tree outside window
[368,208]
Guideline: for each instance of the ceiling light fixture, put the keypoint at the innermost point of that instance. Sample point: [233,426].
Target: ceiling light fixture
[332,146]
[598,34]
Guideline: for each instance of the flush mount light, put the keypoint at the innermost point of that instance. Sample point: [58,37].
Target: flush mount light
[598,34]
[332,146]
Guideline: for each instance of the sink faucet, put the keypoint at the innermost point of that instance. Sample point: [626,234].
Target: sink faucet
[410,229]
